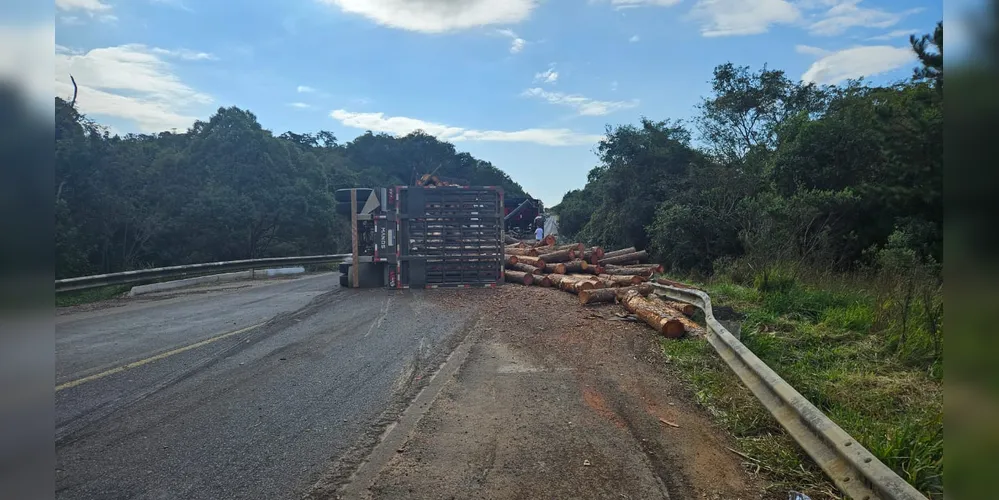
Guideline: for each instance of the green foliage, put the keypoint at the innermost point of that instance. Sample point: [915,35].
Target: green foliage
[225,189]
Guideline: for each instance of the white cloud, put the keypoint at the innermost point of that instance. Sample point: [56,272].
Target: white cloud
[613,86]
[399,125]
[856,62]
[27,60]
[70,20]
[627,4]
[742,17]
[549,76]
[304,89]
[517,44]
[812,51]
[185,54]
[438,16]
[634,39]
[583,105]
[845,14]
[86,5]
[131,82]
[300,105]
[894,34]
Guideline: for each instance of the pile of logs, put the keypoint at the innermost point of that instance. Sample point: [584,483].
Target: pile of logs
[596,276]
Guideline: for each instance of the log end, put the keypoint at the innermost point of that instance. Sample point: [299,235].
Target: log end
[672,328]
[528,278]
[559,268]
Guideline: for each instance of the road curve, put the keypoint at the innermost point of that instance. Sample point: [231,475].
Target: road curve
[245,393]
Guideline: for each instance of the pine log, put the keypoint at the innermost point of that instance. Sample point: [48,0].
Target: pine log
[625,258]
[572,246]
[664,307]
[622,251]
[530,252]
[652,316]
[511,260]
[622,280]
[537,262]
[544,281]
[658,268]
[510,239]
[518,277]
[560,255]
[525,268]
[545,242]
[519,244]
[612,294]
[677,284]
[557,279]
[577,285]
[575,266]
[590,256]
[645,273]
[688,310]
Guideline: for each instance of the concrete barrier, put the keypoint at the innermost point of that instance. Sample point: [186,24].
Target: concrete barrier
[214,278]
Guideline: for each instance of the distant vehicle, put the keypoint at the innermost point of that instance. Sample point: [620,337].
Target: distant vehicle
[520,215]
[434,234]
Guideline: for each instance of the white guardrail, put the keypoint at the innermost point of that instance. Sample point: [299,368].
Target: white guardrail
[99,280]
[854,469]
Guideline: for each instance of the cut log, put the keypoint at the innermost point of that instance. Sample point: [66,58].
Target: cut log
[510,239]
[622,251]
[537,262]
[590,256]
[575,266]
[658,268]
[597,282]
[519,244]
[572,285]
[544,281]
[573,246]
[688,310]
[545,242]
[511,260]
[560,255]
[645,273]
[611,294]
[530,252]
[518,277]
[663,306]
[626,258]
[556,279]
[525,268]
[622,280]
[652,316]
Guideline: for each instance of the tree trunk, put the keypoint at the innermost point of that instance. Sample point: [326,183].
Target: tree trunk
[530,252]
[560,255]
[518,277]
[537,262]
[544,281]
[652,315]
[511,260]
[622,280]
[677,314]
[524,268]
[627,258]
[611,294]
[615,270]
[572,246]
[622,251]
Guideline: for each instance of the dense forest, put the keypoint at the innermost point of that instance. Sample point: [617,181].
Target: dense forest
[225,189]
[783,171]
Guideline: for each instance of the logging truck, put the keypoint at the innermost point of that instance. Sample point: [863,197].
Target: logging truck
[433,234]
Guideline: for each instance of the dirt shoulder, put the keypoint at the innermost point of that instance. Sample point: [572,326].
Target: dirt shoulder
[556,401]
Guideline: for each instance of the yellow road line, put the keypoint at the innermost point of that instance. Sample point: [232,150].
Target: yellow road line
[136,364]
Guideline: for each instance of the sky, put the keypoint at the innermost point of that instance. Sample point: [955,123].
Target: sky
[529,85]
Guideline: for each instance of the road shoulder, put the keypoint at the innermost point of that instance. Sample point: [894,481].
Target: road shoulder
[556,401]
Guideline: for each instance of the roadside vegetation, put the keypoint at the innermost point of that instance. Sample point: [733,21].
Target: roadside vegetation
[816,213]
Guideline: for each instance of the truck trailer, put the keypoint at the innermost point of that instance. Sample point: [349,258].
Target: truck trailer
[424,236]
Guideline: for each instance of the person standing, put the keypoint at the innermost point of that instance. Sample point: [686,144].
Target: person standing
[539,234]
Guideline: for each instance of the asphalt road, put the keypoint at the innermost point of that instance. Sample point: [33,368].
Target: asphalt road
[246,393]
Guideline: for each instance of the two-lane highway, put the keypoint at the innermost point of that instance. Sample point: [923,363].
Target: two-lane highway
[246,393]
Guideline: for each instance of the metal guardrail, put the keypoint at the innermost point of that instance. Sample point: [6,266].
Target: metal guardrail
[854,469]
[98,280]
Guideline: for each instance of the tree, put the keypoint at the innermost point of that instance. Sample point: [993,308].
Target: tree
[932,60]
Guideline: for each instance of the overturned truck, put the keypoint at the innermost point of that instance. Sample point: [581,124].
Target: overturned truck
[423,236]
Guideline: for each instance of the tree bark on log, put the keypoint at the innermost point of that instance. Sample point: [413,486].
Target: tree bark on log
[645,273]
[556,279]
[667,282]
[511,260]
[597,282]
[525,268]
[530,252]
[518,277]
[664,306]
[572,246]
[575,266]
[510,239]
[577,285]
[655,267]
[544,281]
[625,258]
[688,310]
[622,280]
[560,255]
[547,241]
[611,294]
[537,262]
[590,256]
[652,316]
[623,251]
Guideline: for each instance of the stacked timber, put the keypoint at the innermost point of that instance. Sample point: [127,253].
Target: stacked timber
[599,277]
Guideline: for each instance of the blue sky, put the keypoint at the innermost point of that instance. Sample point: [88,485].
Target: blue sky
[528,85]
